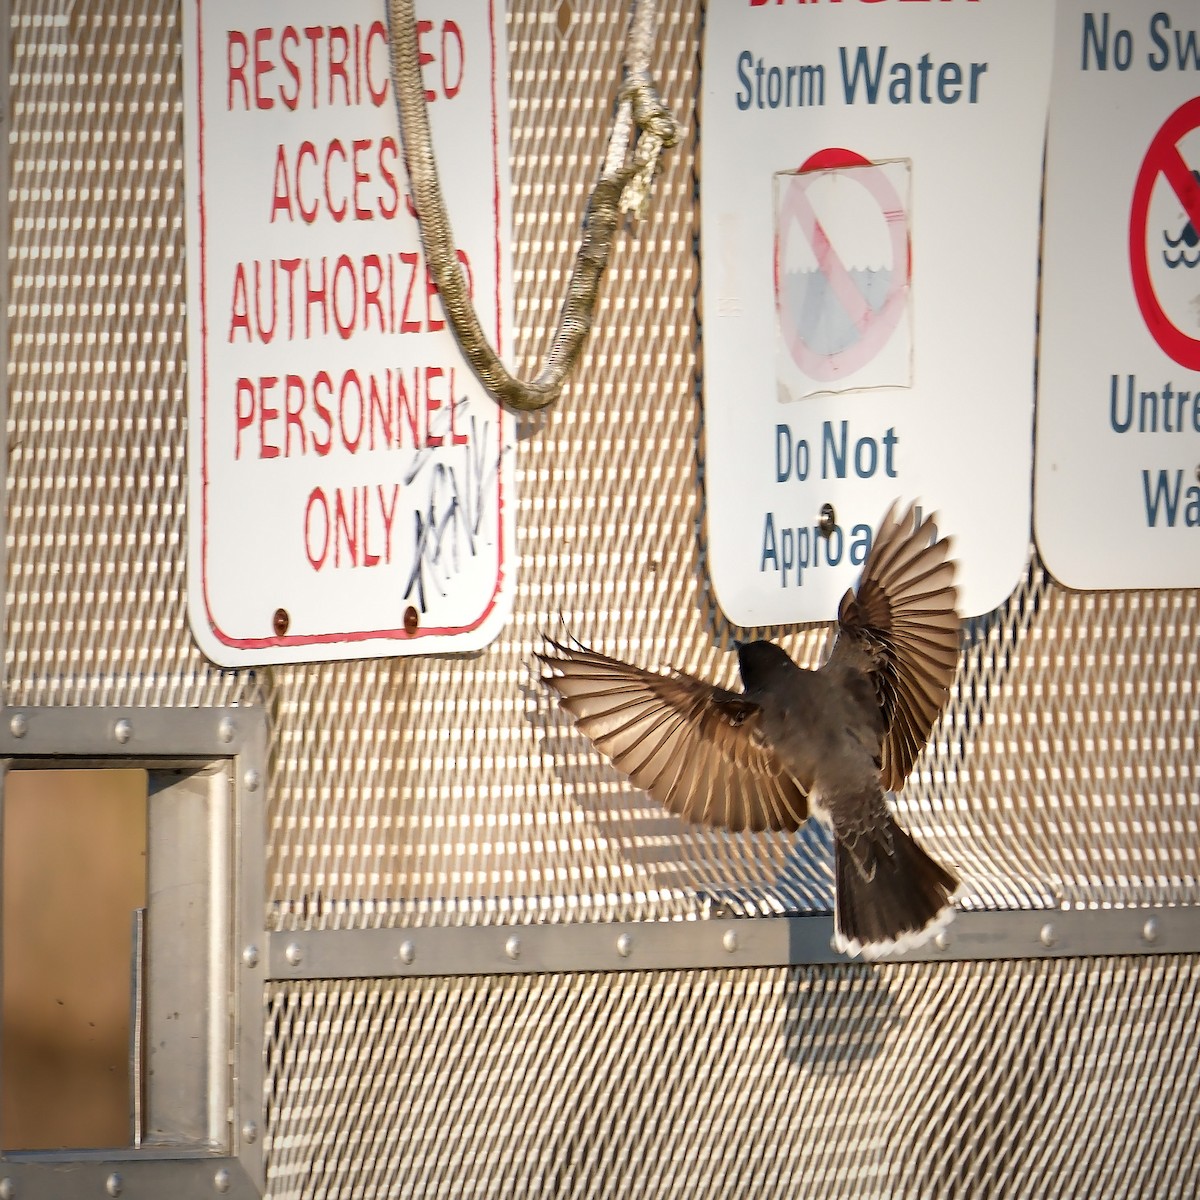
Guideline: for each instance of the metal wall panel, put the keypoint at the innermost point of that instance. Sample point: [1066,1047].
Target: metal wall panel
[972,1079]
[96,481]
[445,791]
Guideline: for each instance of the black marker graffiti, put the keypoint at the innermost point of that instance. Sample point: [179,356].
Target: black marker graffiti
[448,525]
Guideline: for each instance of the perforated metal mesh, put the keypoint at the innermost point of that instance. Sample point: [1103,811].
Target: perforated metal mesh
[95,610]
[1014,1079]
[444,790]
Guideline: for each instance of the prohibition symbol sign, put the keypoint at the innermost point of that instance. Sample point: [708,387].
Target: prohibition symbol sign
[832,320]
[1163,158]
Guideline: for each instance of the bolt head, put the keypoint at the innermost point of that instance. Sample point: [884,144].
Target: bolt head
[729,939]
[252,779]
[222,1181]
[625,945]
[512,947]
[226,729]
[18,726]
[294,954]
[407,952]
[1048,935]
[113,1184]
[250,1132]
[123,731]
[250,956]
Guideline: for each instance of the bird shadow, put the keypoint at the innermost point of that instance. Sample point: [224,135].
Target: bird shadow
[622,821]
[584,774]
[802,886]
[838,1017]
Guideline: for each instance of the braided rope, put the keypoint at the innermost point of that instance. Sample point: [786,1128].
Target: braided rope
[623,186]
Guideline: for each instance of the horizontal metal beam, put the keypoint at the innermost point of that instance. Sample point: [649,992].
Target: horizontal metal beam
[746,942]
[119,733]
[84,1175]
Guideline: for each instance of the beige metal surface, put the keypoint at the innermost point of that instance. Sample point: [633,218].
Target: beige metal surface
[445,791]
[1015,1079]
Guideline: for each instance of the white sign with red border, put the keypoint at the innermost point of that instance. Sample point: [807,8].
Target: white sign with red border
[1117,481]
[351,482]
[869,235]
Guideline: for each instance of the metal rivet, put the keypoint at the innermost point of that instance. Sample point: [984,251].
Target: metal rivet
[18,726]
[113,1184]
[407,952]
[412,620]
[250,1132]
[8,1189]
[252,779]
[827,521]
[294,954]
[1048,935]
[513,947]
[226,729]
[222,1181]
[250,956]
[123,731]
[624,945]
[280,622]
[1151,930]
[942,939]
[729,940]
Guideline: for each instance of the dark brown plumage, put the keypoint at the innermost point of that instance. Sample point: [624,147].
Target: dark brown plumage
[833,739]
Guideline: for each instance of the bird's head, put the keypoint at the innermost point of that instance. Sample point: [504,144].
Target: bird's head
[757,660]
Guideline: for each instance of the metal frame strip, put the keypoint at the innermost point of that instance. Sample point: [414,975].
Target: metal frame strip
[228,746]
[747,942]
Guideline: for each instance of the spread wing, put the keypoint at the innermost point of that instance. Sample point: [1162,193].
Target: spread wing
[901,627]
[695,748]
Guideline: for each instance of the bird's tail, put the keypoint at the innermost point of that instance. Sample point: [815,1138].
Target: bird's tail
[891,896]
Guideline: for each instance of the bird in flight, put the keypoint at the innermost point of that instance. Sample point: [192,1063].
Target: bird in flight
[830,741]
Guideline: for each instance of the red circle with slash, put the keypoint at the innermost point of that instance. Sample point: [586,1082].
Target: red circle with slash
[873,325]
[1163,158]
